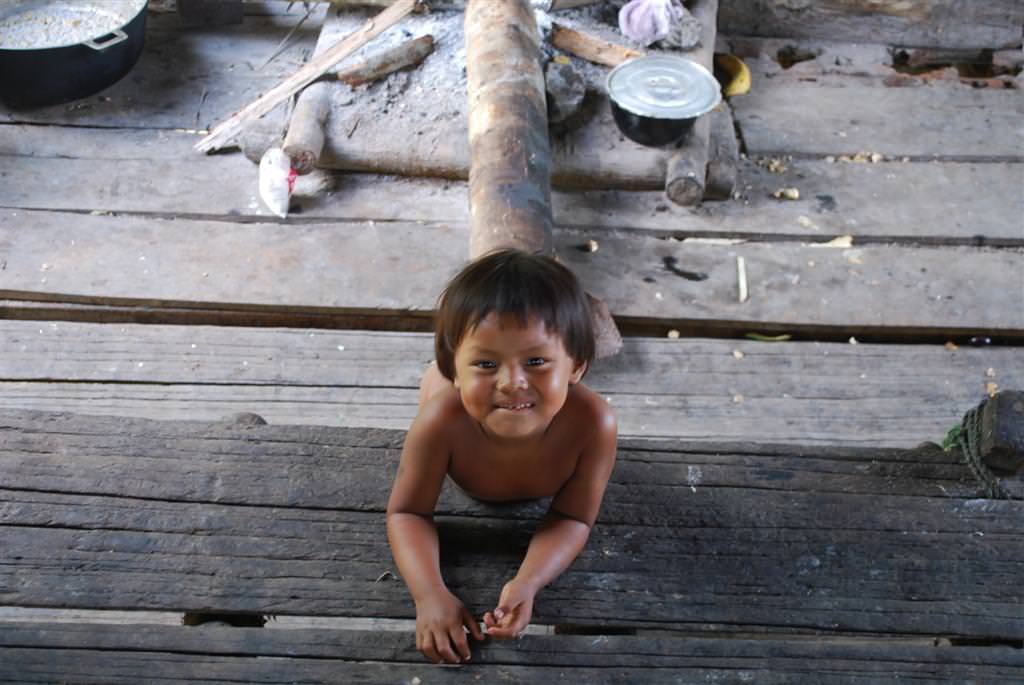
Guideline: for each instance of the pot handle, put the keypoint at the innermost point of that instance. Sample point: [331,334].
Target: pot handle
[112,38]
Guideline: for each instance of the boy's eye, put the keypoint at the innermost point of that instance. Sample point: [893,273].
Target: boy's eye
[485,364]
[535,361]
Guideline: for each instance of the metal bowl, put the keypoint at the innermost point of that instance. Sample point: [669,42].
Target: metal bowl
[656,99]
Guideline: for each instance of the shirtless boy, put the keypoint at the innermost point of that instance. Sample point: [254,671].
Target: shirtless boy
[503,414]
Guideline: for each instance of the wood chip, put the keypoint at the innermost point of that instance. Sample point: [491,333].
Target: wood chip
[741,278]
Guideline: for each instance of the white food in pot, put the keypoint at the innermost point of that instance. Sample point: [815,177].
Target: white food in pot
[41,24]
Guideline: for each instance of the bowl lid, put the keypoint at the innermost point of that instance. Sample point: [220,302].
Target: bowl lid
[664,87]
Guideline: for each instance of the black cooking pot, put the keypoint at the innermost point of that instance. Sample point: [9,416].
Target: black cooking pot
[54,51]
[656,99]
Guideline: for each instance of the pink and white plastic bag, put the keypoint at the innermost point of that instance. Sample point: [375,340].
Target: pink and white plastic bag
[648,21]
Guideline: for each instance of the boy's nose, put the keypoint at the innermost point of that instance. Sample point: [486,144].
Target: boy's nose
[511,377]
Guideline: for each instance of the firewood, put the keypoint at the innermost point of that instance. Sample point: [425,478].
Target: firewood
[408,54]
[305,138]
[228,129]
[590,48]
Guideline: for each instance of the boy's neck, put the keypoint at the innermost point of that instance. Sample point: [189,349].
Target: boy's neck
[512,445]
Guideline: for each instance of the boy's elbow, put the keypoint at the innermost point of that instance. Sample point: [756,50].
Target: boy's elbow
[557,515]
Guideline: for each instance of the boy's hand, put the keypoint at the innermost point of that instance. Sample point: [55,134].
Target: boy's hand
[515,606]
[439,628]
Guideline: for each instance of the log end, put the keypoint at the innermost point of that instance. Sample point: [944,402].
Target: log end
[686,191]
[608,340]
[1002,430]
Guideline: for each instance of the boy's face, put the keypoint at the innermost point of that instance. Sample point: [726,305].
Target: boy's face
[513,379]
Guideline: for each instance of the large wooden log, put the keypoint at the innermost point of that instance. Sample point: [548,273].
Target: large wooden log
[510,170]
[510,167]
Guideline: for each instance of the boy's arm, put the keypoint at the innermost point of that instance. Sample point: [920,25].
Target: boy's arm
[440,616]
[562,534]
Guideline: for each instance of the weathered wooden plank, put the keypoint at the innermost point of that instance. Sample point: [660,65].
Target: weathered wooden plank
[350,267]
[950,122]
[129,668]
[187,79]
[75,551]
[303,449]
[903,421]
[919,23]
[814,393]
[940,202]
[769,658]
[48,666]
[811,538]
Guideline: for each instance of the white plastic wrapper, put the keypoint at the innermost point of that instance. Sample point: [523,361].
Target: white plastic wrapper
[648,21]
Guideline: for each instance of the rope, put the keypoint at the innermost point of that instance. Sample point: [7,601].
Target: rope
[967,436]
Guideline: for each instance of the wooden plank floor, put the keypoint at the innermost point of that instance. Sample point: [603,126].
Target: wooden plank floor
[722,554]
[697,389]
[846,555]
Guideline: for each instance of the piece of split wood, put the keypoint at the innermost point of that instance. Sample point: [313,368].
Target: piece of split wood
[741,278]
[408,54]
[590,48]
[228,129]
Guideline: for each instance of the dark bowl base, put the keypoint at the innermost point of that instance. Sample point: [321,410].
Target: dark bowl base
[650,131]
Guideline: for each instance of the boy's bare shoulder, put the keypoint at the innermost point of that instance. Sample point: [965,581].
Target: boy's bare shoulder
[591,410]
[443,407]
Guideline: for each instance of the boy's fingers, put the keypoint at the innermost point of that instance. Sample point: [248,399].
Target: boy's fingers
[427,648]
[489,621]
[502,633]
[458,637]
[470,622]
[444,648]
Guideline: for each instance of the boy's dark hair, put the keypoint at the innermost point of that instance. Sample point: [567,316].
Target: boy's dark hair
[518,283]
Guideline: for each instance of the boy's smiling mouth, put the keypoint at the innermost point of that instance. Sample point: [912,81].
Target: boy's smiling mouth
[514,406]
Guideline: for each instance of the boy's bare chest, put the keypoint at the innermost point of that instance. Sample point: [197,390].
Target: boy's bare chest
[489,474]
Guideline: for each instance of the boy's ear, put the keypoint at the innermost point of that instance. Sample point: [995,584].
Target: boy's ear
[577,373]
